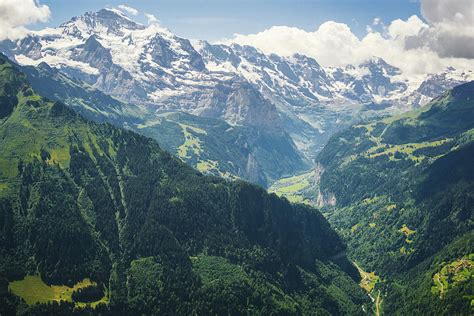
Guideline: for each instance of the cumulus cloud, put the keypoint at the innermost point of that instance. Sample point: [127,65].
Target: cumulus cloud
[284,40]
[15,14]
[415,46]
[451,31]
[440,11]
[128,9]
[151,18]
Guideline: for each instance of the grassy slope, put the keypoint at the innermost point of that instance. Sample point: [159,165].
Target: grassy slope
[33,290]
[297,189]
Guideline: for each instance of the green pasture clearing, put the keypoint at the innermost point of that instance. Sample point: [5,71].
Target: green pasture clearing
[192,143]
[293,188]
[452,275]
[33,290]
[368,279]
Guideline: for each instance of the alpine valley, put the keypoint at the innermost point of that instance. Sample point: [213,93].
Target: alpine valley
[274,113]
[134,168]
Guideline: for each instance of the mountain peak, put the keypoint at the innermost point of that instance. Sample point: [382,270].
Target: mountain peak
[113,21]
[379,63]
[107,12]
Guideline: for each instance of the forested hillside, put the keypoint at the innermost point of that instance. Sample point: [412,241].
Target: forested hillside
[403,189]
[101,218]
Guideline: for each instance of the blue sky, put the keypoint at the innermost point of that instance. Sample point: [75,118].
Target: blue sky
[219,19]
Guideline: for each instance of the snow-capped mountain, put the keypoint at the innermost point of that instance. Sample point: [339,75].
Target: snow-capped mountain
[151,67]
[299,80]
[373,81]
[143,65]
[314,101]
[296,80]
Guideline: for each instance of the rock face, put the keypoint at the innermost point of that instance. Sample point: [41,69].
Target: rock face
[325,199]
[238,102]
[322,198]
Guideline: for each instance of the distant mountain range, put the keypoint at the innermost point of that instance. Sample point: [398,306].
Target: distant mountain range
[152,68]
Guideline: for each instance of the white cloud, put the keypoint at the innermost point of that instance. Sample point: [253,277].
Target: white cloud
[321,44]
[451,32]
[412,45]
[15,14]
[128,9]
[439,11]
[151,19]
